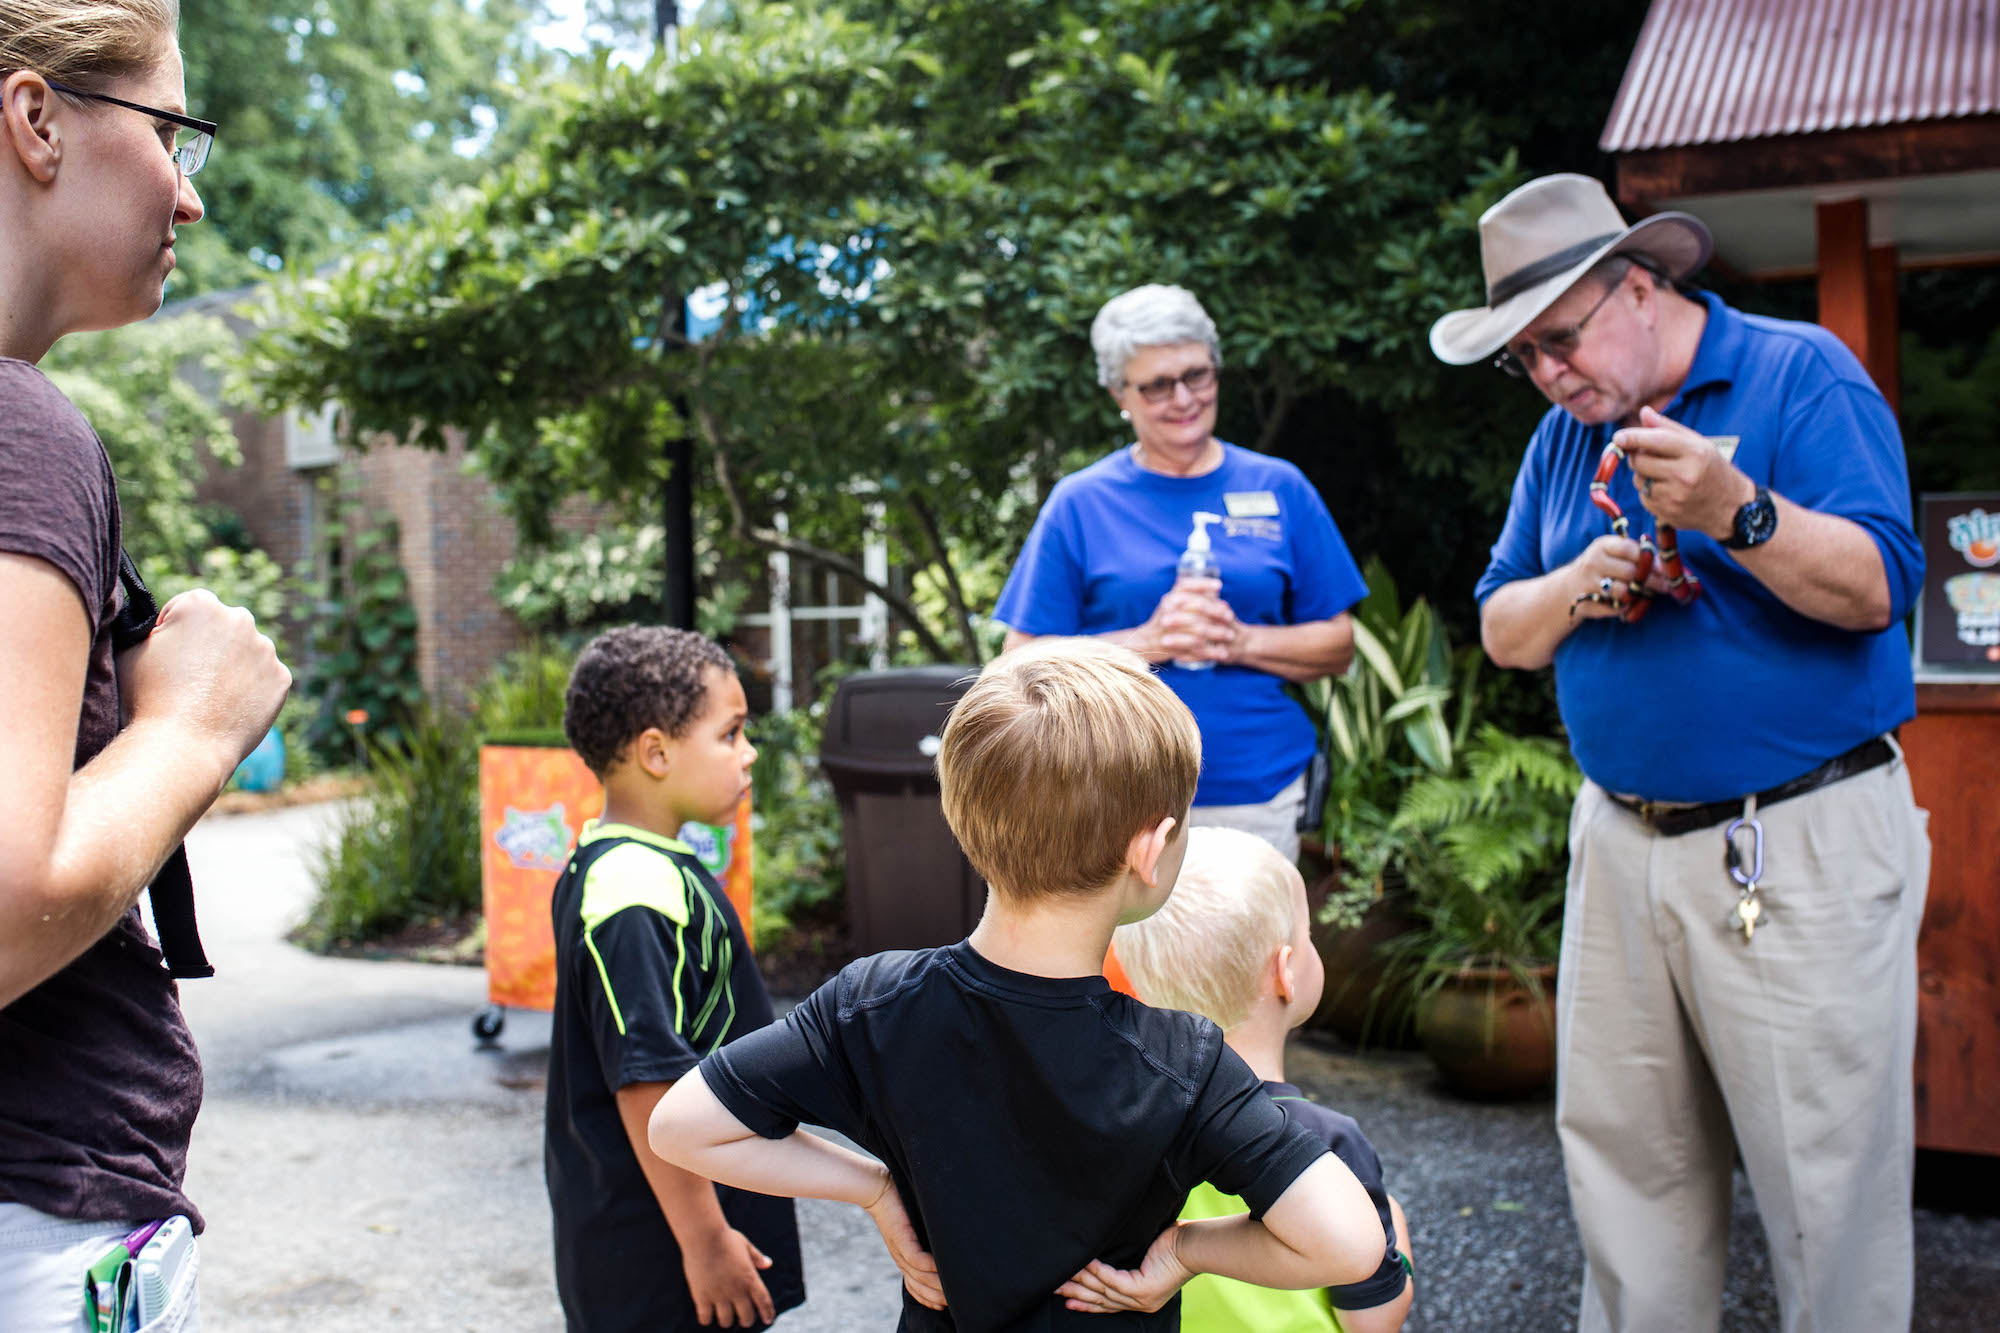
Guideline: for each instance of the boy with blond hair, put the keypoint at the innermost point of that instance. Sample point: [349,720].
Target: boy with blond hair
[1234,945]
[652,973]
[1037,1131]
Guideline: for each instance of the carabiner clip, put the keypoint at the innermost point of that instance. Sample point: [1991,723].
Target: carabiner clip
[1736,871]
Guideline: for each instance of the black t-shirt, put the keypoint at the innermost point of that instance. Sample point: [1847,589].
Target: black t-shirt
[1031,1124]
[99,1080]
[1344,1139]
[652,972]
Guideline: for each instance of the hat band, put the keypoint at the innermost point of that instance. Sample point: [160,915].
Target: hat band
[1543,269]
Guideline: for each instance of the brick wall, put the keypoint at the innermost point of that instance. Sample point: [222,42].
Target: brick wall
[453,539]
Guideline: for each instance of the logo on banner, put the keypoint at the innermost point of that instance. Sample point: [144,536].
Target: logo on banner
[535,839]
[1976,536]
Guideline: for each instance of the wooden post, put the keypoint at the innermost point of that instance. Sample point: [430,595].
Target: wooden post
[1884,359]
[1843,272]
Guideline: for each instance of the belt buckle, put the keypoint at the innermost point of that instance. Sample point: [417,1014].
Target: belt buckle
[1649,813]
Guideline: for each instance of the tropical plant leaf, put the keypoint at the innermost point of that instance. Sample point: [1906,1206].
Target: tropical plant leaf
[1378,657]
[1416,699]
[1413,639]
[1431,743]
[1342,731]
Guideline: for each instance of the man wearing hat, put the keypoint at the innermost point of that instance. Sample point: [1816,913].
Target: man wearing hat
[1747,866]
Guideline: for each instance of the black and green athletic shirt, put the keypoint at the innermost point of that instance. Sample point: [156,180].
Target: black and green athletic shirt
[652,973]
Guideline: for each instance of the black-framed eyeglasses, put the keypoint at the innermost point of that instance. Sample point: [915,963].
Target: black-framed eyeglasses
[1197,381]
[191,142]
[1520,359]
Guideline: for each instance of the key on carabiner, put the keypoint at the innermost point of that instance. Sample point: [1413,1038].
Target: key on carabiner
[1749,908]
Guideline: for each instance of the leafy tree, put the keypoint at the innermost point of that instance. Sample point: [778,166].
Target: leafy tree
[337,115]
[912,212]
[156,426]
[911,208]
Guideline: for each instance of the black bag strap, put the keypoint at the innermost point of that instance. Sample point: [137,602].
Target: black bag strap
[173,886]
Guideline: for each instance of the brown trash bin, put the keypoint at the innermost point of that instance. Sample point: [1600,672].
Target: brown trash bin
[908,884]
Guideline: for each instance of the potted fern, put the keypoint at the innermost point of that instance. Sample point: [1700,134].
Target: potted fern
[1400,712]
[1483,849]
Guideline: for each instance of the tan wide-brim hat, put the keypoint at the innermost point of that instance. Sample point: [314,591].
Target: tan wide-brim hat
[1539,240]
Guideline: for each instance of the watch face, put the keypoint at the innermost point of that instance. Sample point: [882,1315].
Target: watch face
[1756,521]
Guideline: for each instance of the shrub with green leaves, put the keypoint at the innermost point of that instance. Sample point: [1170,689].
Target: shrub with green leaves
[1483,850]
[250,579]
[365,641]
[408,851]
[523,694]
[1386,723]
[596,580]
[800,869]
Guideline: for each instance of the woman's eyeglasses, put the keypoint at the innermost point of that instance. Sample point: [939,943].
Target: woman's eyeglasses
[1197,382]
[191,141]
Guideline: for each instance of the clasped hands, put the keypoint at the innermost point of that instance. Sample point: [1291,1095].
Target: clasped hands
[1683,480]
[1193,624]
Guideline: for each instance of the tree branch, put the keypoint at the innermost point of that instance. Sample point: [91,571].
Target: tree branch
[953,590]
[773,540]
[1271,422]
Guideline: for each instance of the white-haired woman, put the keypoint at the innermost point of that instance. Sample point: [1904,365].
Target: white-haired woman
[109,757]
[1103,556]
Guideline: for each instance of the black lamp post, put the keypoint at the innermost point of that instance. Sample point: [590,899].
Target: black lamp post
[677,585]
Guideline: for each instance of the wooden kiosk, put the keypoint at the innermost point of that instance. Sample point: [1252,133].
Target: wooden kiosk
[1848,143]
[1954,751]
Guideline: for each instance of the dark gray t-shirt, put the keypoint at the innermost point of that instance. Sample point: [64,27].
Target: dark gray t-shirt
[99,1080]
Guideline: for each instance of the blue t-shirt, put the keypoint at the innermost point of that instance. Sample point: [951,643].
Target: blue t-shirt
[1103,553]
[1734,692]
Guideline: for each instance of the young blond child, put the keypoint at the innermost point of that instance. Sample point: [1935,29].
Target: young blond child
[1037,1132]
[1234,945]
[652,973]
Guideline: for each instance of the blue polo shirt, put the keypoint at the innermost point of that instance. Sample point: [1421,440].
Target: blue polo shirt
[1735,692]
[1103,552]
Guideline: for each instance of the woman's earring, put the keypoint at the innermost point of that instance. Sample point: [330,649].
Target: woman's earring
[1124,414]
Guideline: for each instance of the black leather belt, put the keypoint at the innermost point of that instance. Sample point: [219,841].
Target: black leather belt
[1670,821]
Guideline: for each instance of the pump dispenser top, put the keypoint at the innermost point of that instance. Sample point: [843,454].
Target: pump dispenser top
[1197,563]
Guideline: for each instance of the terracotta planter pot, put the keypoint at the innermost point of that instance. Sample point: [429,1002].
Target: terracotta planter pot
[1358,1005]
[1490,1037]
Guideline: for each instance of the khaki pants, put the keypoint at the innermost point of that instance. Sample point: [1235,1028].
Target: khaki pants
[1680,1042]
[1276,821]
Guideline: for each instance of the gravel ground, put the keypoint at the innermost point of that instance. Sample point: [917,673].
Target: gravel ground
[1490,1221]
[365,1166]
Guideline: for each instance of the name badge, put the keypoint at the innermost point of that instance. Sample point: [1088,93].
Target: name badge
[1250,504]
[1725,445]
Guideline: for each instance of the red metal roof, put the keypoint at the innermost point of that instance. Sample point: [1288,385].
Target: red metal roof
[1713,71]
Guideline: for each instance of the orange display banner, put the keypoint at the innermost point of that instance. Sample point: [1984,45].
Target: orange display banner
[533,801]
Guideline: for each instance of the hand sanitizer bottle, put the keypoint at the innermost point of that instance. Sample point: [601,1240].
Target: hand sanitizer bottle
[1197,562]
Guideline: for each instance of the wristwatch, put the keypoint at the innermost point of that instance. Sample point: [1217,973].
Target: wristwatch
[1755,523]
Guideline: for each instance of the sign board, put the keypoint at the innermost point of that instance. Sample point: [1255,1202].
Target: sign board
[533,801]
[1958,616]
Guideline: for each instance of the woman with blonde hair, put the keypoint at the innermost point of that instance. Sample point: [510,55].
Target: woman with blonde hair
[117,730]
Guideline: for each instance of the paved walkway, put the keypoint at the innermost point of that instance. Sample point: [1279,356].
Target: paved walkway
[364,1166]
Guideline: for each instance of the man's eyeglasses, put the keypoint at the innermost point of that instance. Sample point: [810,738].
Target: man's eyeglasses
[1197,381]
[1520,359]
[191,142]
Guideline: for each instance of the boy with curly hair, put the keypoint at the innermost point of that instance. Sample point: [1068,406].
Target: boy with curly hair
[652,973]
